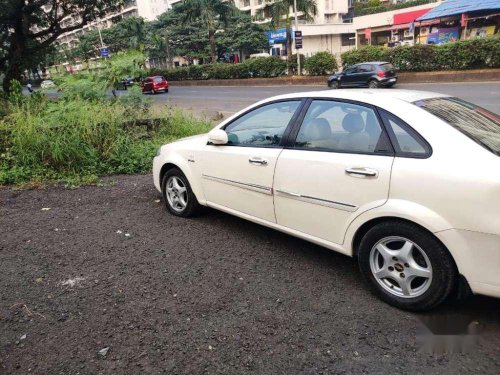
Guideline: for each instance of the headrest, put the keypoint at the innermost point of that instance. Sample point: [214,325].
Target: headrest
[353,123]
[319,129]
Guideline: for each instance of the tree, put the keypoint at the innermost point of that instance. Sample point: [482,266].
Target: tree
[241,34]
[281,12]
[29,27]
[185,38]
[211,13]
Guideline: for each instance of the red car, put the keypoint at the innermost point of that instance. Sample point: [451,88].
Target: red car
[154,84]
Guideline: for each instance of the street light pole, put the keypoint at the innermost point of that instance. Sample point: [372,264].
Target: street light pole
[296,29]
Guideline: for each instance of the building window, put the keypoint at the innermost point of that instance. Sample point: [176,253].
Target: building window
[347,39]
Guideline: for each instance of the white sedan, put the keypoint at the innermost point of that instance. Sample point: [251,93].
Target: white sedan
[406,181]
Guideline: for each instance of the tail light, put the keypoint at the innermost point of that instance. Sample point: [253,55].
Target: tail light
[381,74]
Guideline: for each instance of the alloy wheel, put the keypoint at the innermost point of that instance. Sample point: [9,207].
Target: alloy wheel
[401,267]
[177,195]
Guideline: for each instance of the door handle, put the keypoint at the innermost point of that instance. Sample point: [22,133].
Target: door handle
[257,161]
[362,172]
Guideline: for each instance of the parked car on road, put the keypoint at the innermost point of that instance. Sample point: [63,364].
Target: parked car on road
[125,83]
[405,181]
[154,84]
[372,74]
[47,84]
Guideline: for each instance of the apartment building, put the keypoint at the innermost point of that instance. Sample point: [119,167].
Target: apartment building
[148,9]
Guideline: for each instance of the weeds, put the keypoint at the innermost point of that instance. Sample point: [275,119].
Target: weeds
[79,138]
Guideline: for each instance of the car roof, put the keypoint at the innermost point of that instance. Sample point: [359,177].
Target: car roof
[373,63]
[370,96]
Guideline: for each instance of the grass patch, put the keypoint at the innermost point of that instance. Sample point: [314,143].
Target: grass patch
[81,137]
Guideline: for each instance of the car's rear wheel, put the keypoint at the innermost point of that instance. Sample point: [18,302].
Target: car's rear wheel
[166,90]
[406,266]
[373,84]
[334,85]
[178,195]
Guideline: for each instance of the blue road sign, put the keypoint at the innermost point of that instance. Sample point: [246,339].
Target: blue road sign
[104,52]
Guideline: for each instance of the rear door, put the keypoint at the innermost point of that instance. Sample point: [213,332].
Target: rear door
[338,166]
[148,85]
[365,72]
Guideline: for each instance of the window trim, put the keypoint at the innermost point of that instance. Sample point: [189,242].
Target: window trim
[295,131]
[286,133]
[384,115]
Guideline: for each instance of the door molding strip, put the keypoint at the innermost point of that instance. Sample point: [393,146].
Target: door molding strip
[253,187]
[318,201]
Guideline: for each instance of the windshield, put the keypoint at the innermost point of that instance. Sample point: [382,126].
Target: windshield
[477,123]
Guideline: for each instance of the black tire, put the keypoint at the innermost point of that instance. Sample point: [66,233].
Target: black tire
[166,90]
[333,85]
[373,84]
[444,271]
[192,207]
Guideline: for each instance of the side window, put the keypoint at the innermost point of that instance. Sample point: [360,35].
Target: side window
[365,68]
[341,127]
[351,69]
[263,126]
[407,142]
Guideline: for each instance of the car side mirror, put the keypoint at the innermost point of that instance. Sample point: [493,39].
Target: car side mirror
[217,137]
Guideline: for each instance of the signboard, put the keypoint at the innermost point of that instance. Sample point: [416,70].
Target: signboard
[104,52]
[276,36]
[298,39]
[443,36]
[368,33]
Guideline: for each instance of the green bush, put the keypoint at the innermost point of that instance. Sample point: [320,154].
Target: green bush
[76,140]
[264,67]
[320,64]
[463,54]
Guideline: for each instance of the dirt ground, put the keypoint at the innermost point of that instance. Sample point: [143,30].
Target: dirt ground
[101,280]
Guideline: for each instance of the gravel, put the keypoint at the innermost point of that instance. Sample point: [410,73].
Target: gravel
[213,294]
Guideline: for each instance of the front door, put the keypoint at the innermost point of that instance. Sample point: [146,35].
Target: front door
[239,175]
[349,76]
[337,167]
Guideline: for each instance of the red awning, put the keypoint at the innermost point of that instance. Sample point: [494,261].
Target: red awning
[409,17]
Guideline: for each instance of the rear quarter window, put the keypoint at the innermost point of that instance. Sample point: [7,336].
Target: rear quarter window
[386,67]
[479,124]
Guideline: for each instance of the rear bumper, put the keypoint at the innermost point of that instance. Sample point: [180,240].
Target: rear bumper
[388,81]
[477,256]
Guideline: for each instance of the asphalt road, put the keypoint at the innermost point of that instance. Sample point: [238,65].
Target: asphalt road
[106,269]
[228,100]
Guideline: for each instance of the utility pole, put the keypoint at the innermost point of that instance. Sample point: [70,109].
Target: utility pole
[296,29]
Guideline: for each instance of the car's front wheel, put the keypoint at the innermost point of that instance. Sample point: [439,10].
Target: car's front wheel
[178,195]
[406,266]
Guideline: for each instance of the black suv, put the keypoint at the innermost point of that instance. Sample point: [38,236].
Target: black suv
[372,74]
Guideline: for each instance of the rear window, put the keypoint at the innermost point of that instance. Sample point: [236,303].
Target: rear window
[477,123]
[158,79]
[386,67]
